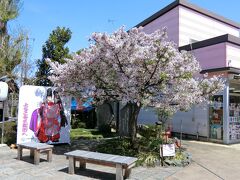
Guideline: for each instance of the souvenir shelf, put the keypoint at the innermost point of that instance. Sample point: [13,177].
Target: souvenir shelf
[216,119]
[234,121]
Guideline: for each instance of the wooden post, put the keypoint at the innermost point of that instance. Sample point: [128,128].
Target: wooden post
[82,164]
[119,172]
[31,153]
[19,152]
[36,157]
[127,173]
[71,165]
[49,155]
[161,154]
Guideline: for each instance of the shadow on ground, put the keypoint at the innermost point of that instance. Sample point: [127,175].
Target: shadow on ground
[30,160]
[91,173]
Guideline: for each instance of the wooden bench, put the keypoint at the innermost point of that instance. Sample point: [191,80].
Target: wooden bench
[123,164]
[35,150]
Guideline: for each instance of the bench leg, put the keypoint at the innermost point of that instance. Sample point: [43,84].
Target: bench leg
[119,172]
[31,153]
[19,153]
[36,157]
[71,165]
[82,164]
[49,155]
[127,173]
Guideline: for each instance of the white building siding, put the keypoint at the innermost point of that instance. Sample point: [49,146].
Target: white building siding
[147,116]
[193,25]
[233,55]
[194,121]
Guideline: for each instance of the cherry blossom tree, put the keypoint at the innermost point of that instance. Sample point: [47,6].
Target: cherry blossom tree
[137,69]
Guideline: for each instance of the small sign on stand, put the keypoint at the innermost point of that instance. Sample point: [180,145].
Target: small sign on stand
[166,150]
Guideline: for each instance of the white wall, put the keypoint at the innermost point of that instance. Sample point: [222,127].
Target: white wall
[233,55]
[147,116]
[193,121]
[193,25]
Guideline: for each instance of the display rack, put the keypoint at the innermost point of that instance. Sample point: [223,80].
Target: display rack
[234,121]
[216,119]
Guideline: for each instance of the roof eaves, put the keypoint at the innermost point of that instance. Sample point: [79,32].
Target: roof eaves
[205,43]
[230,70]
[212,41]
[158,14]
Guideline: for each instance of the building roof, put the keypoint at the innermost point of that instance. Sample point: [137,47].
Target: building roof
[212,41]
[193,7]
[229,70]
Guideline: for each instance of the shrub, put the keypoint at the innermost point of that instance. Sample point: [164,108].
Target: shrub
[78,124]
[148,158]
[119,146]
[150,131]
[104,128]
[146,148]
[181,159]
[10,132]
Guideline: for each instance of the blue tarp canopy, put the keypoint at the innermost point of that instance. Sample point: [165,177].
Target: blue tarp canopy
[85,106]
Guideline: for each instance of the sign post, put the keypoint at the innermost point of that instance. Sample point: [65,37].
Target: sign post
[3,97]
[3,119]
[166,150]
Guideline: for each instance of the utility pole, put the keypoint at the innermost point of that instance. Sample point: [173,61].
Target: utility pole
[24,65]
[25,62]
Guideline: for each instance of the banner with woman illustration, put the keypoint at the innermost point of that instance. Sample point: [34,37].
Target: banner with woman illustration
[43,115]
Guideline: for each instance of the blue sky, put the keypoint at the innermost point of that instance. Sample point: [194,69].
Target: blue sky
[40,17]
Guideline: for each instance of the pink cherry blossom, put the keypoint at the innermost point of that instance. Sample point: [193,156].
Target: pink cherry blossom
[137,68]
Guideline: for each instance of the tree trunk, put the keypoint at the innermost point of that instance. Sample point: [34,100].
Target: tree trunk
[128,121]
[132,124]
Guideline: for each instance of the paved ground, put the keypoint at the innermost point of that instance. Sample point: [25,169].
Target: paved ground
[210,161]
[11,168]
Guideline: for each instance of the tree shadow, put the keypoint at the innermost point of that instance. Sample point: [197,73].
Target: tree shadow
[92,173]
[77,144]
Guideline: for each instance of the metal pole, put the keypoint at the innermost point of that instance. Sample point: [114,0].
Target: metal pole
[2,124]
[181,135]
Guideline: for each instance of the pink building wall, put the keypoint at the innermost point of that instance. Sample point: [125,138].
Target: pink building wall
[211,56]
[170,20]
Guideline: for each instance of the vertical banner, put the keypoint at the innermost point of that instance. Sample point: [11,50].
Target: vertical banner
[43,115]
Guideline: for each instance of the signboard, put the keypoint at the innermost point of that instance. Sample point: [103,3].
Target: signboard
[3,91]
[168,150]
[43,115]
